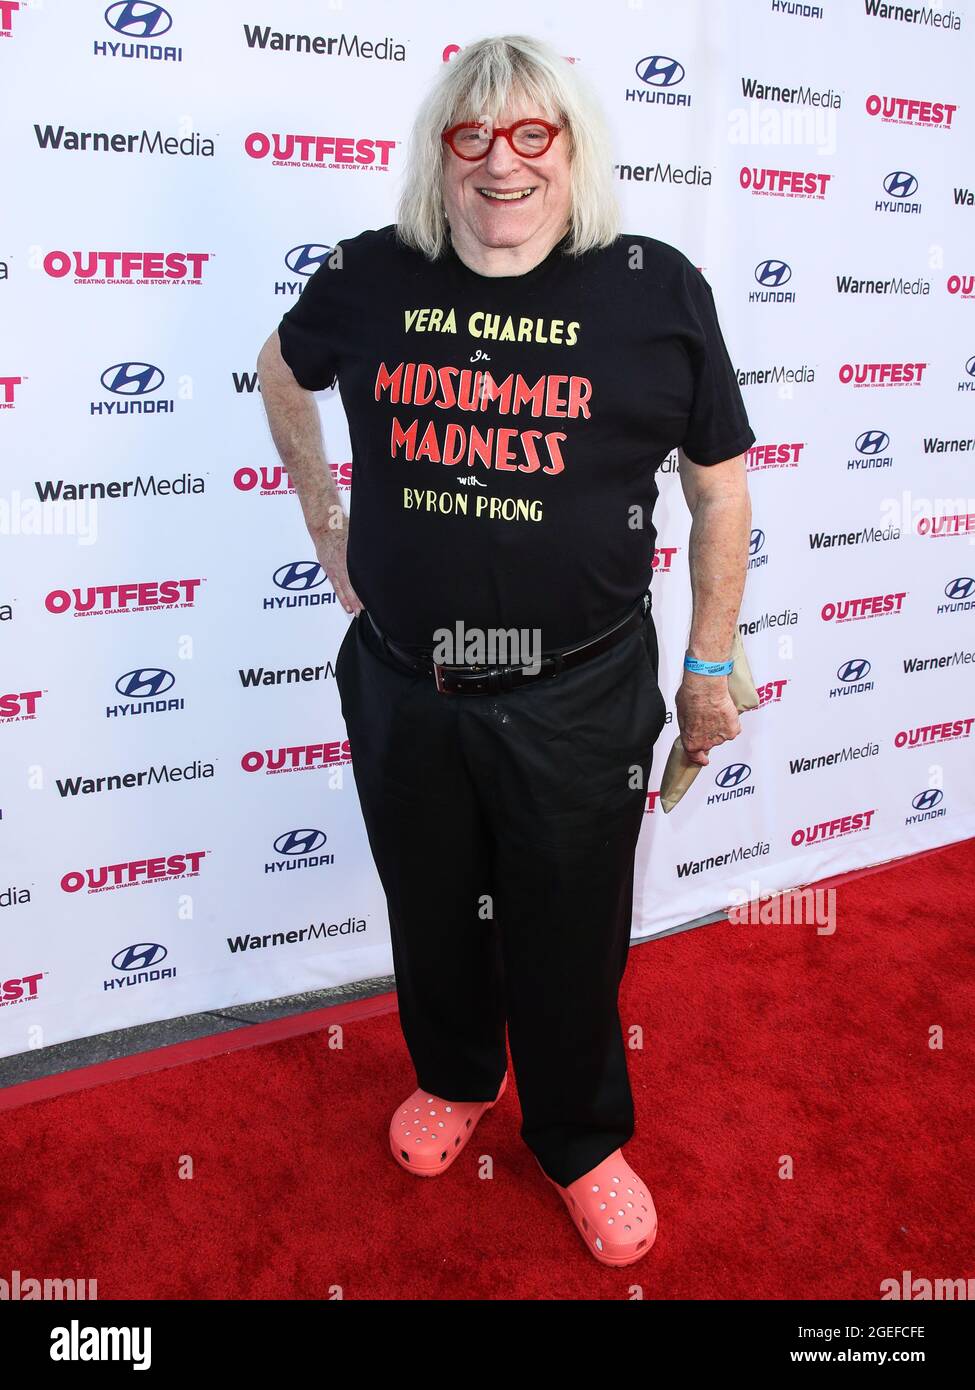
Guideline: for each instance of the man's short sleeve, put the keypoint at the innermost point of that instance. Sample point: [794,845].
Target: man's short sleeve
[717,425]
[309,332]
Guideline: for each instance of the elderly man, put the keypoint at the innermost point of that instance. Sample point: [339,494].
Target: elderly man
[514,371]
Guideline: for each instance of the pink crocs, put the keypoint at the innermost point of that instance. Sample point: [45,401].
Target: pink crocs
[426,1133]
[612,1210]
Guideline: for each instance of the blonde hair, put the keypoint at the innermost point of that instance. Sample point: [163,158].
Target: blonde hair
[479,83]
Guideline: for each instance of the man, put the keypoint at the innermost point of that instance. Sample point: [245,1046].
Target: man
[514,372]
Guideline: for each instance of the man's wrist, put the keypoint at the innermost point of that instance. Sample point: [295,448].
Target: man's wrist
[711,666]
[708,684]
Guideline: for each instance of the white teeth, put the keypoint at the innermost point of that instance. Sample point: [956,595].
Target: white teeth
[506,197]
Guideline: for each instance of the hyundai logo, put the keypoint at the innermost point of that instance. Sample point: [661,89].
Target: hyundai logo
[900,185]
[773,273]
[733,775]
[872,442]
[145,683]
[305,260]
[659,71]
[140,957]
[856,669]
[970,366]
[138,20]
[300,574]
[132,378]
[960,588]
[926,799]
[300,841]
[756,542]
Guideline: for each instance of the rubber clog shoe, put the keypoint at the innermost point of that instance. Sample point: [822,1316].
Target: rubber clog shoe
[426,1133]
[612,1211]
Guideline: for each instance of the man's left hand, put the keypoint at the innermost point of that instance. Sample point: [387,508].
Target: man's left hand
[706,715]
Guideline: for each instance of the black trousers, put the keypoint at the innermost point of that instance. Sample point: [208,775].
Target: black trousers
[504,828]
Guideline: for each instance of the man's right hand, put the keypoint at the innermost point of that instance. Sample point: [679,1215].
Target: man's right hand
[292,415]
[330,548]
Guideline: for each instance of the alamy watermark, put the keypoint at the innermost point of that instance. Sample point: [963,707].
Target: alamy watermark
[793,907]
[24,1288]
[488,646]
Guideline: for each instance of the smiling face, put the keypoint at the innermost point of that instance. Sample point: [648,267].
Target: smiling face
[491,229]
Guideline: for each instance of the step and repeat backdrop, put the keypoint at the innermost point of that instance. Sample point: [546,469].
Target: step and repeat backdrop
[178,818]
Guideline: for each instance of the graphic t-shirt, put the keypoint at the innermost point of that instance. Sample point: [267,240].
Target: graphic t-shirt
[506,430]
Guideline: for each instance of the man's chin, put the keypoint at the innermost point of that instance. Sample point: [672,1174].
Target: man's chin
[494,237]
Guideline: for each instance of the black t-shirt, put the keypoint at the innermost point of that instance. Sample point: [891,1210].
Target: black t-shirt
[506,430]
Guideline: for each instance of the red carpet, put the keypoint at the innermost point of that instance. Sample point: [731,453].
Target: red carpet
[761,1044]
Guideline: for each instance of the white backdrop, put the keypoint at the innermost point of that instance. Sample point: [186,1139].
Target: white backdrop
[148,247]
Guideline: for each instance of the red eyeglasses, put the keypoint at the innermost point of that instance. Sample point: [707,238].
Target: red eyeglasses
[529,138]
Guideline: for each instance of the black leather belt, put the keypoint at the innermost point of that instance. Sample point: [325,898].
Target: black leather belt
[489,680]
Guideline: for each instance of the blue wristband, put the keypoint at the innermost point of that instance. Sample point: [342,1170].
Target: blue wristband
[708,668]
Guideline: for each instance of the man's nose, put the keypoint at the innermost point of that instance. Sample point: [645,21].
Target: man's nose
[500,159]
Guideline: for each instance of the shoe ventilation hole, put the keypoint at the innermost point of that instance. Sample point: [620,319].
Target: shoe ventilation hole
[595,1188]
[599,1244]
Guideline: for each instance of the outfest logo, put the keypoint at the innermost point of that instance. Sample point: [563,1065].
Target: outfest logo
[763,456]
[18,705]
[265,479]
[953,524]
[925,734]
[771,692]
[302,757]
[911,111]
[127,267]
[782,183]
[881,373]
[20,990]
[849,824]
[8,8]
[124,598]
[319,151]
[132,872]
[846,610]
[961,285]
